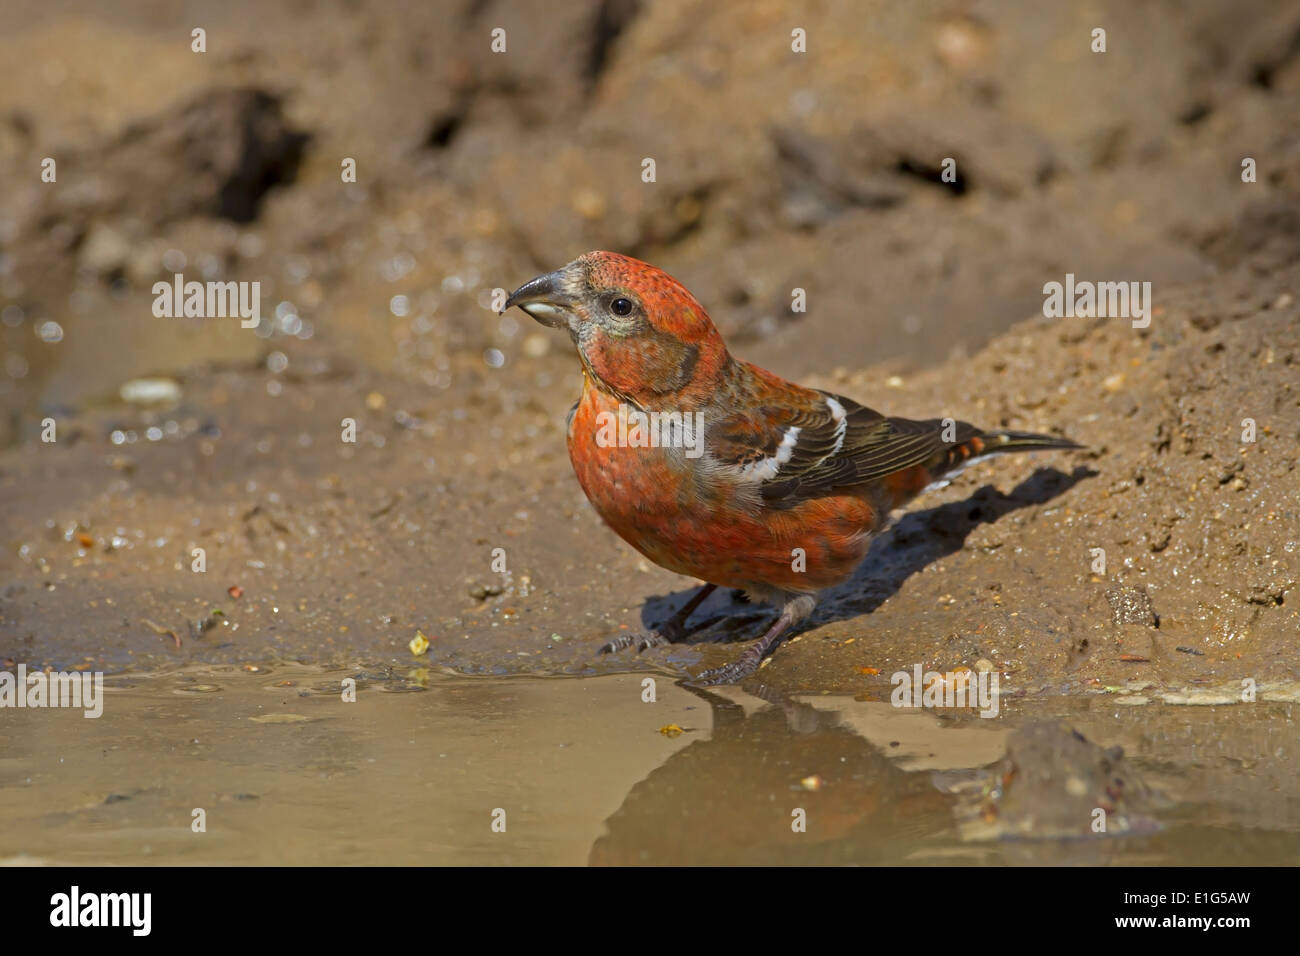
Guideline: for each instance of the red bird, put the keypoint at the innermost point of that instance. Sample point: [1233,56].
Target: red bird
[741,479]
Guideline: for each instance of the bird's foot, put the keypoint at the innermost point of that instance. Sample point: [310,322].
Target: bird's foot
[751,658]
[670,632]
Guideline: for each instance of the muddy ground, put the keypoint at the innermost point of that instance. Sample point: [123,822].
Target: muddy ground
[775,170]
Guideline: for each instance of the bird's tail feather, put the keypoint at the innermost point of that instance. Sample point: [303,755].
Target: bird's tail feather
[996,443]
[956,457]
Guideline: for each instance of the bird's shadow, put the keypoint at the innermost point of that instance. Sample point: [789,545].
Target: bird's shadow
[914,541]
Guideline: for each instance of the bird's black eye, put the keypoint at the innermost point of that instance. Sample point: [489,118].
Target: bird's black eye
[621,306]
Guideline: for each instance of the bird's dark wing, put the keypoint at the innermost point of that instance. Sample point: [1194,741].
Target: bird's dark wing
[829,444]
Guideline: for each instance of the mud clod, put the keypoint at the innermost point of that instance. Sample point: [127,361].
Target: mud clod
[1131,606]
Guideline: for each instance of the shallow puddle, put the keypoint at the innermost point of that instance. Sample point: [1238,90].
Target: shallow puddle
[430,769]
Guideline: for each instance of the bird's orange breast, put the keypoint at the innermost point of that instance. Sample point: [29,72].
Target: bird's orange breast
[686,518]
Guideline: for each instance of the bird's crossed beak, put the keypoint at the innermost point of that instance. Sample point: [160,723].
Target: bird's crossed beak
[545,299]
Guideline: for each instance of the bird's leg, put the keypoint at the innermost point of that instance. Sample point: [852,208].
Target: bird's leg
[795,610]
[672,630]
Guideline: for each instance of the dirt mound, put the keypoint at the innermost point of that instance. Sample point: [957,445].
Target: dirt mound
[1186,503]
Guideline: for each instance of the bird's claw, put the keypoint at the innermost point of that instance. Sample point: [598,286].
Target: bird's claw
[643,642]
[652,639]
[742,667]
[617,644]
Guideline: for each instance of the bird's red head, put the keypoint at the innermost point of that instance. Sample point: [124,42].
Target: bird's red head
[639,333]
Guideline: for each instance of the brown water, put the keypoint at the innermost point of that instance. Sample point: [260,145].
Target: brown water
[414,771]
